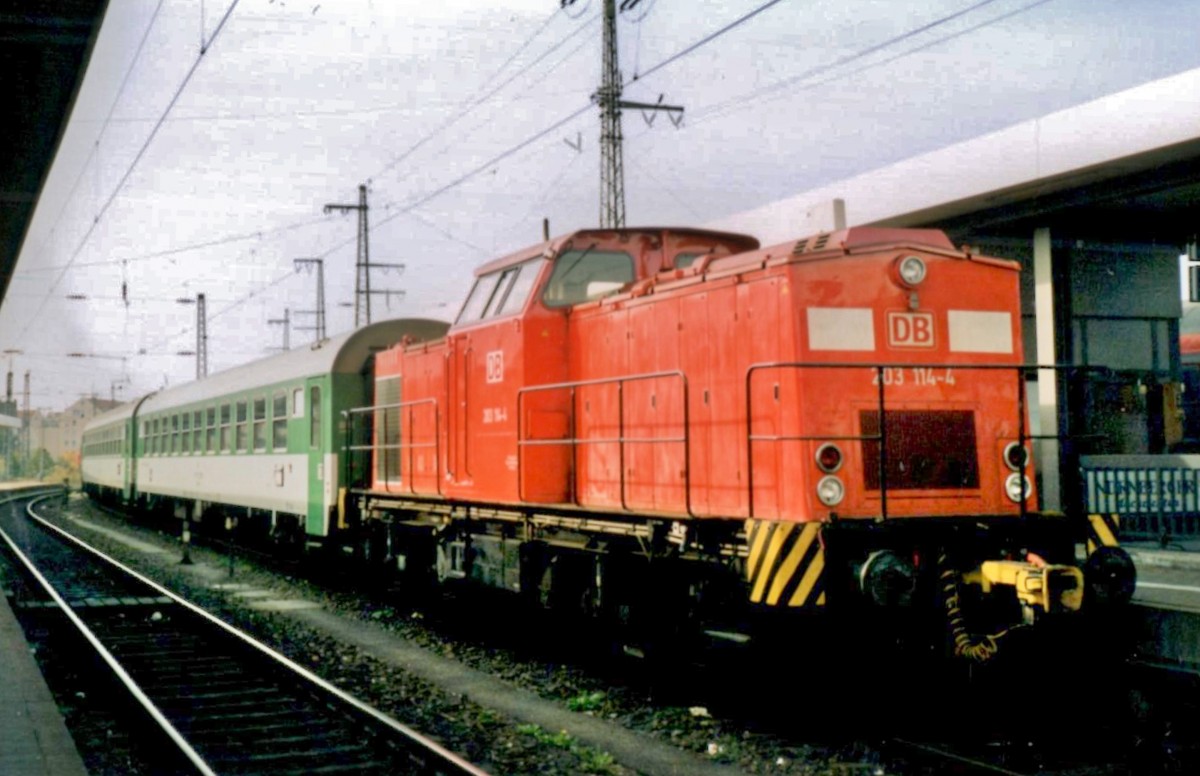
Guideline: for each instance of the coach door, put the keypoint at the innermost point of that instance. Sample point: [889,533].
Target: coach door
[315,437]
[128,438]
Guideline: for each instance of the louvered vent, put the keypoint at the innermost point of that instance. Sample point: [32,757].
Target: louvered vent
[804,246]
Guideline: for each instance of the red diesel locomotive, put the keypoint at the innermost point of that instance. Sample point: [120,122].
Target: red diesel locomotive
[673,423]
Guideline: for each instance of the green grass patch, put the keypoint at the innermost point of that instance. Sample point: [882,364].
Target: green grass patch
[590,760]
[586,701]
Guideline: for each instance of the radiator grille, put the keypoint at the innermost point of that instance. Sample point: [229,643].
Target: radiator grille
[926,449]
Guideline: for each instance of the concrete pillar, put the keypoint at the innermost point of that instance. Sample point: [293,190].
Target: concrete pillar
[1047,452]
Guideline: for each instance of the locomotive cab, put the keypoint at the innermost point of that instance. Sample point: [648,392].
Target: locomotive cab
[505,443]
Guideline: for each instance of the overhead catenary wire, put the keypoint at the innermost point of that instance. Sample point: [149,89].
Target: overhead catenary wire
[718,110]
[129,170]
[853,56]
[229,239]
[404,210]
[705,40]
[471,103]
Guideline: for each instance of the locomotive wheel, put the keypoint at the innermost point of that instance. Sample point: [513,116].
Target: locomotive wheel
[1110,577]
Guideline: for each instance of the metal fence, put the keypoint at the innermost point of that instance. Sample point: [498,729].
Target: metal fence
[1157,496]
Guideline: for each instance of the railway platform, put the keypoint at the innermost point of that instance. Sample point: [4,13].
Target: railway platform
[1183,554]
[33,735]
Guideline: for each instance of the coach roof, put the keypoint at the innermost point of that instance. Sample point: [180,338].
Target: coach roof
[344,354]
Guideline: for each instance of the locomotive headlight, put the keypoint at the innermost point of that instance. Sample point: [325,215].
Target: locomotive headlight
[1016,456]
[912,270]
[831,491]
[1017,487]
[829,458]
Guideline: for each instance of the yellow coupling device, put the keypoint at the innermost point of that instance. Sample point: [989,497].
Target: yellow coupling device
[1054,588]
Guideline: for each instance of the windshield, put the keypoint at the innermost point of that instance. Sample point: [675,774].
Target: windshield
[585,275]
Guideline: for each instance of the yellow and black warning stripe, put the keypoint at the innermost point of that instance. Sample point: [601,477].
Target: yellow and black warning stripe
[786,563]
[1102,531]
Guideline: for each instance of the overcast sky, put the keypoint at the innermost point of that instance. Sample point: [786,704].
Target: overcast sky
[183,174]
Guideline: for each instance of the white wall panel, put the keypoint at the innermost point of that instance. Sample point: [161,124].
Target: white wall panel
[278,482]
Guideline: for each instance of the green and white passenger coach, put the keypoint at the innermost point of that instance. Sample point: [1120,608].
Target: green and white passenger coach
[261,442]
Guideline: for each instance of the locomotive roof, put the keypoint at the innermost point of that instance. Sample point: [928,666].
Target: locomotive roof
[345,354]
[550,247]
[858,239]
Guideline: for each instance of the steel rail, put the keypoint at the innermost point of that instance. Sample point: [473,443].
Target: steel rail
[392,724]
[979,765]
[134,689]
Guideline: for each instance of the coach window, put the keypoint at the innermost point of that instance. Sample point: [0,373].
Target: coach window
[175,446]
[314,417]
[198,431]
[224,428]
[279,421]
[210,430]
[260,424]
[243,438]
[585,275]
[186,439]
[297,402]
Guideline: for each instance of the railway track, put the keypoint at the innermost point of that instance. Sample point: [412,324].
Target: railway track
[943,759]
[226,702]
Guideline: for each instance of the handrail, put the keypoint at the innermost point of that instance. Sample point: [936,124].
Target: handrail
[401,446]
[621,440]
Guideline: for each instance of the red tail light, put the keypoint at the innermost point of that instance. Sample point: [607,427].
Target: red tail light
[1016,456]
[829,458]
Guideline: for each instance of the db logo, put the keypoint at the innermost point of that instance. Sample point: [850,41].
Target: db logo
[495,366]
[910,330]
